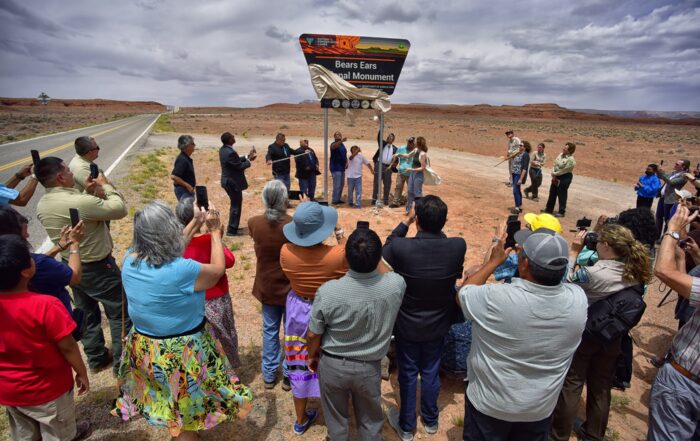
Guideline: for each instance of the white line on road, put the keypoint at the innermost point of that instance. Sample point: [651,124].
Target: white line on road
[47,244]
[67,131]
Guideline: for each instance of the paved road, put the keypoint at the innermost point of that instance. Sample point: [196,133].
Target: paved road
[114,138]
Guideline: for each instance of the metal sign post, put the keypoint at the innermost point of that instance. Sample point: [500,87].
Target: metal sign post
[326,156]
[379,164]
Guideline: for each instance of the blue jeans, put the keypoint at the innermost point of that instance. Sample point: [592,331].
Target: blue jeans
[355,185]
[414,358]
[271,349]
[286,180]
[415,189]
[307,186]
[180,193]
[517,194]
[338,181]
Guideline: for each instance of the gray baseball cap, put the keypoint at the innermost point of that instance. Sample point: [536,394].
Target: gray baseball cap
[544,247]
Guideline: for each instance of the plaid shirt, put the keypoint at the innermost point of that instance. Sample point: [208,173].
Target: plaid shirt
[686,344]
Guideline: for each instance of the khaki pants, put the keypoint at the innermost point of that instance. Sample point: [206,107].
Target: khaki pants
[401,179]
[52,421]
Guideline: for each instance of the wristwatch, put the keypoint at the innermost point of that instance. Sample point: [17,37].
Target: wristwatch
[673,234]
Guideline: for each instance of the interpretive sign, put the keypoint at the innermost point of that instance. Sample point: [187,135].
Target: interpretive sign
[369,62]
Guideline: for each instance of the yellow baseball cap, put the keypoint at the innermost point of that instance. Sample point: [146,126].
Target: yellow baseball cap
[542,220]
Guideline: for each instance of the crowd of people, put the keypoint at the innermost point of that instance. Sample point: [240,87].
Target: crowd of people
[343,305]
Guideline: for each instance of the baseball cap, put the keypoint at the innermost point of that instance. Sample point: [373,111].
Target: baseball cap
[544,247]
[542,220]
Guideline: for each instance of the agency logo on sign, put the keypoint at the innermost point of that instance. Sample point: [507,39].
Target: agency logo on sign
[370,62]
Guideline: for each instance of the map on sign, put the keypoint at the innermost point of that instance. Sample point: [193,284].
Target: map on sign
[369,62]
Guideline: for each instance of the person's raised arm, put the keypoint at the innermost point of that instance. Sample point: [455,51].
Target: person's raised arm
[94,208]
[497,255]
[210,273]
[193,227]
[75,235]
[666,267]
[336,144]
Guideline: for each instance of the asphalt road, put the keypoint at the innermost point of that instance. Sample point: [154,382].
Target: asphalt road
[114,139]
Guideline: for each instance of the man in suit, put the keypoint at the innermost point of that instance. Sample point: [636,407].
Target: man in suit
[383,163]
[233,178]
[430,263]
[307,169]
[280,155]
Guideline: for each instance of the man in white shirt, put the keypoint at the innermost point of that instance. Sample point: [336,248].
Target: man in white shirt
[511,149]
[354,173]
[383,163]
[524,337]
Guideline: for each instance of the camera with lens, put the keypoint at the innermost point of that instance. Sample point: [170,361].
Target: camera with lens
[583,224]
[591,240]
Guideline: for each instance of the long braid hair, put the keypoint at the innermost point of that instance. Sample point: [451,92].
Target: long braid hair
[631,251]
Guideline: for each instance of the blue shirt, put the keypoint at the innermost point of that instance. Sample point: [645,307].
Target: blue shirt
[339,157]
[51,278]
[404,163]
[650,186]
[162,301]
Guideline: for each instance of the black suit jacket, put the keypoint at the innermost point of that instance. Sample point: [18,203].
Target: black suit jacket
[233,168]
[276,152]
[304,161]
[430,264]
[382,143]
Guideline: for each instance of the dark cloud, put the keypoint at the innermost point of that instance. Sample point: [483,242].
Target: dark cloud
[31,20]
[580,53]
[278,34]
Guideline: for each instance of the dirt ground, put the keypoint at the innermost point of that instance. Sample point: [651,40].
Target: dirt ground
[22,118]
[462,150]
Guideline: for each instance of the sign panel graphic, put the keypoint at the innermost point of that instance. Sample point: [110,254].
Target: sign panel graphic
[369,62]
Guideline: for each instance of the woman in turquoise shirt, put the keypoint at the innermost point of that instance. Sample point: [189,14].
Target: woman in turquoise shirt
[173,372]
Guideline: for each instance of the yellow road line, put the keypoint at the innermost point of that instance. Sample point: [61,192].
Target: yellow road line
[28,159]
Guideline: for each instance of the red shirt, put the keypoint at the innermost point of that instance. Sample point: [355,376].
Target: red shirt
[32,369]
[199,249]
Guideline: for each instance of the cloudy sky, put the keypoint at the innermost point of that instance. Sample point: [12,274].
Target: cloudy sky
[604,54]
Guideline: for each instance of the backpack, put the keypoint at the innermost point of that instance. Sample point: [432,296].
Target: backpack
[614,316]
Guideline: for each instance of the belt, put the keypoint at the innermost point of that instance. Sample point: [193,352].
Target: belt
[685,372]
[338,357]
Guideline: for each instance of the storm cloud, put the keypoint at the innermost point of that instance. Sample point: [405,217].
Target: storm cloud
[580,54]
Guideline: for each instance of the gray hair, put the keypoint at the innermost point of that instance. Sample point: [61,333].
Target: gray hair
[157,235]
[185,210]
[275,200]
[183,141]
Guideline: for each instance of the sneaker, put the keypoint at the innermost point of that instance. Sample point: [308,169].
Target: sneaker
[430,430]
[106,363]
[83,429]
[516,210]
[393,417]
[286,385]
[559,214]
[544,210]
[536,199]
[509,184]
[270,384]
[311,415]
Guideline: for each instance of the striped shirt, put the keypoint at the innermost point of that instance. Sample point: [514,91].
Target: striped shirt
[686,344]
[356,313]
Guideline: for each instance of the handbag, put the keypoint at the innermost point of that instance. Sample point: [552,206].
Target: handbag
[430,176]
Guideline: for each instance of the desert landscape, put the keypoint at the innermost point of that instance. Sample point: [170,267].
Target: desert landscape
[464,142]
